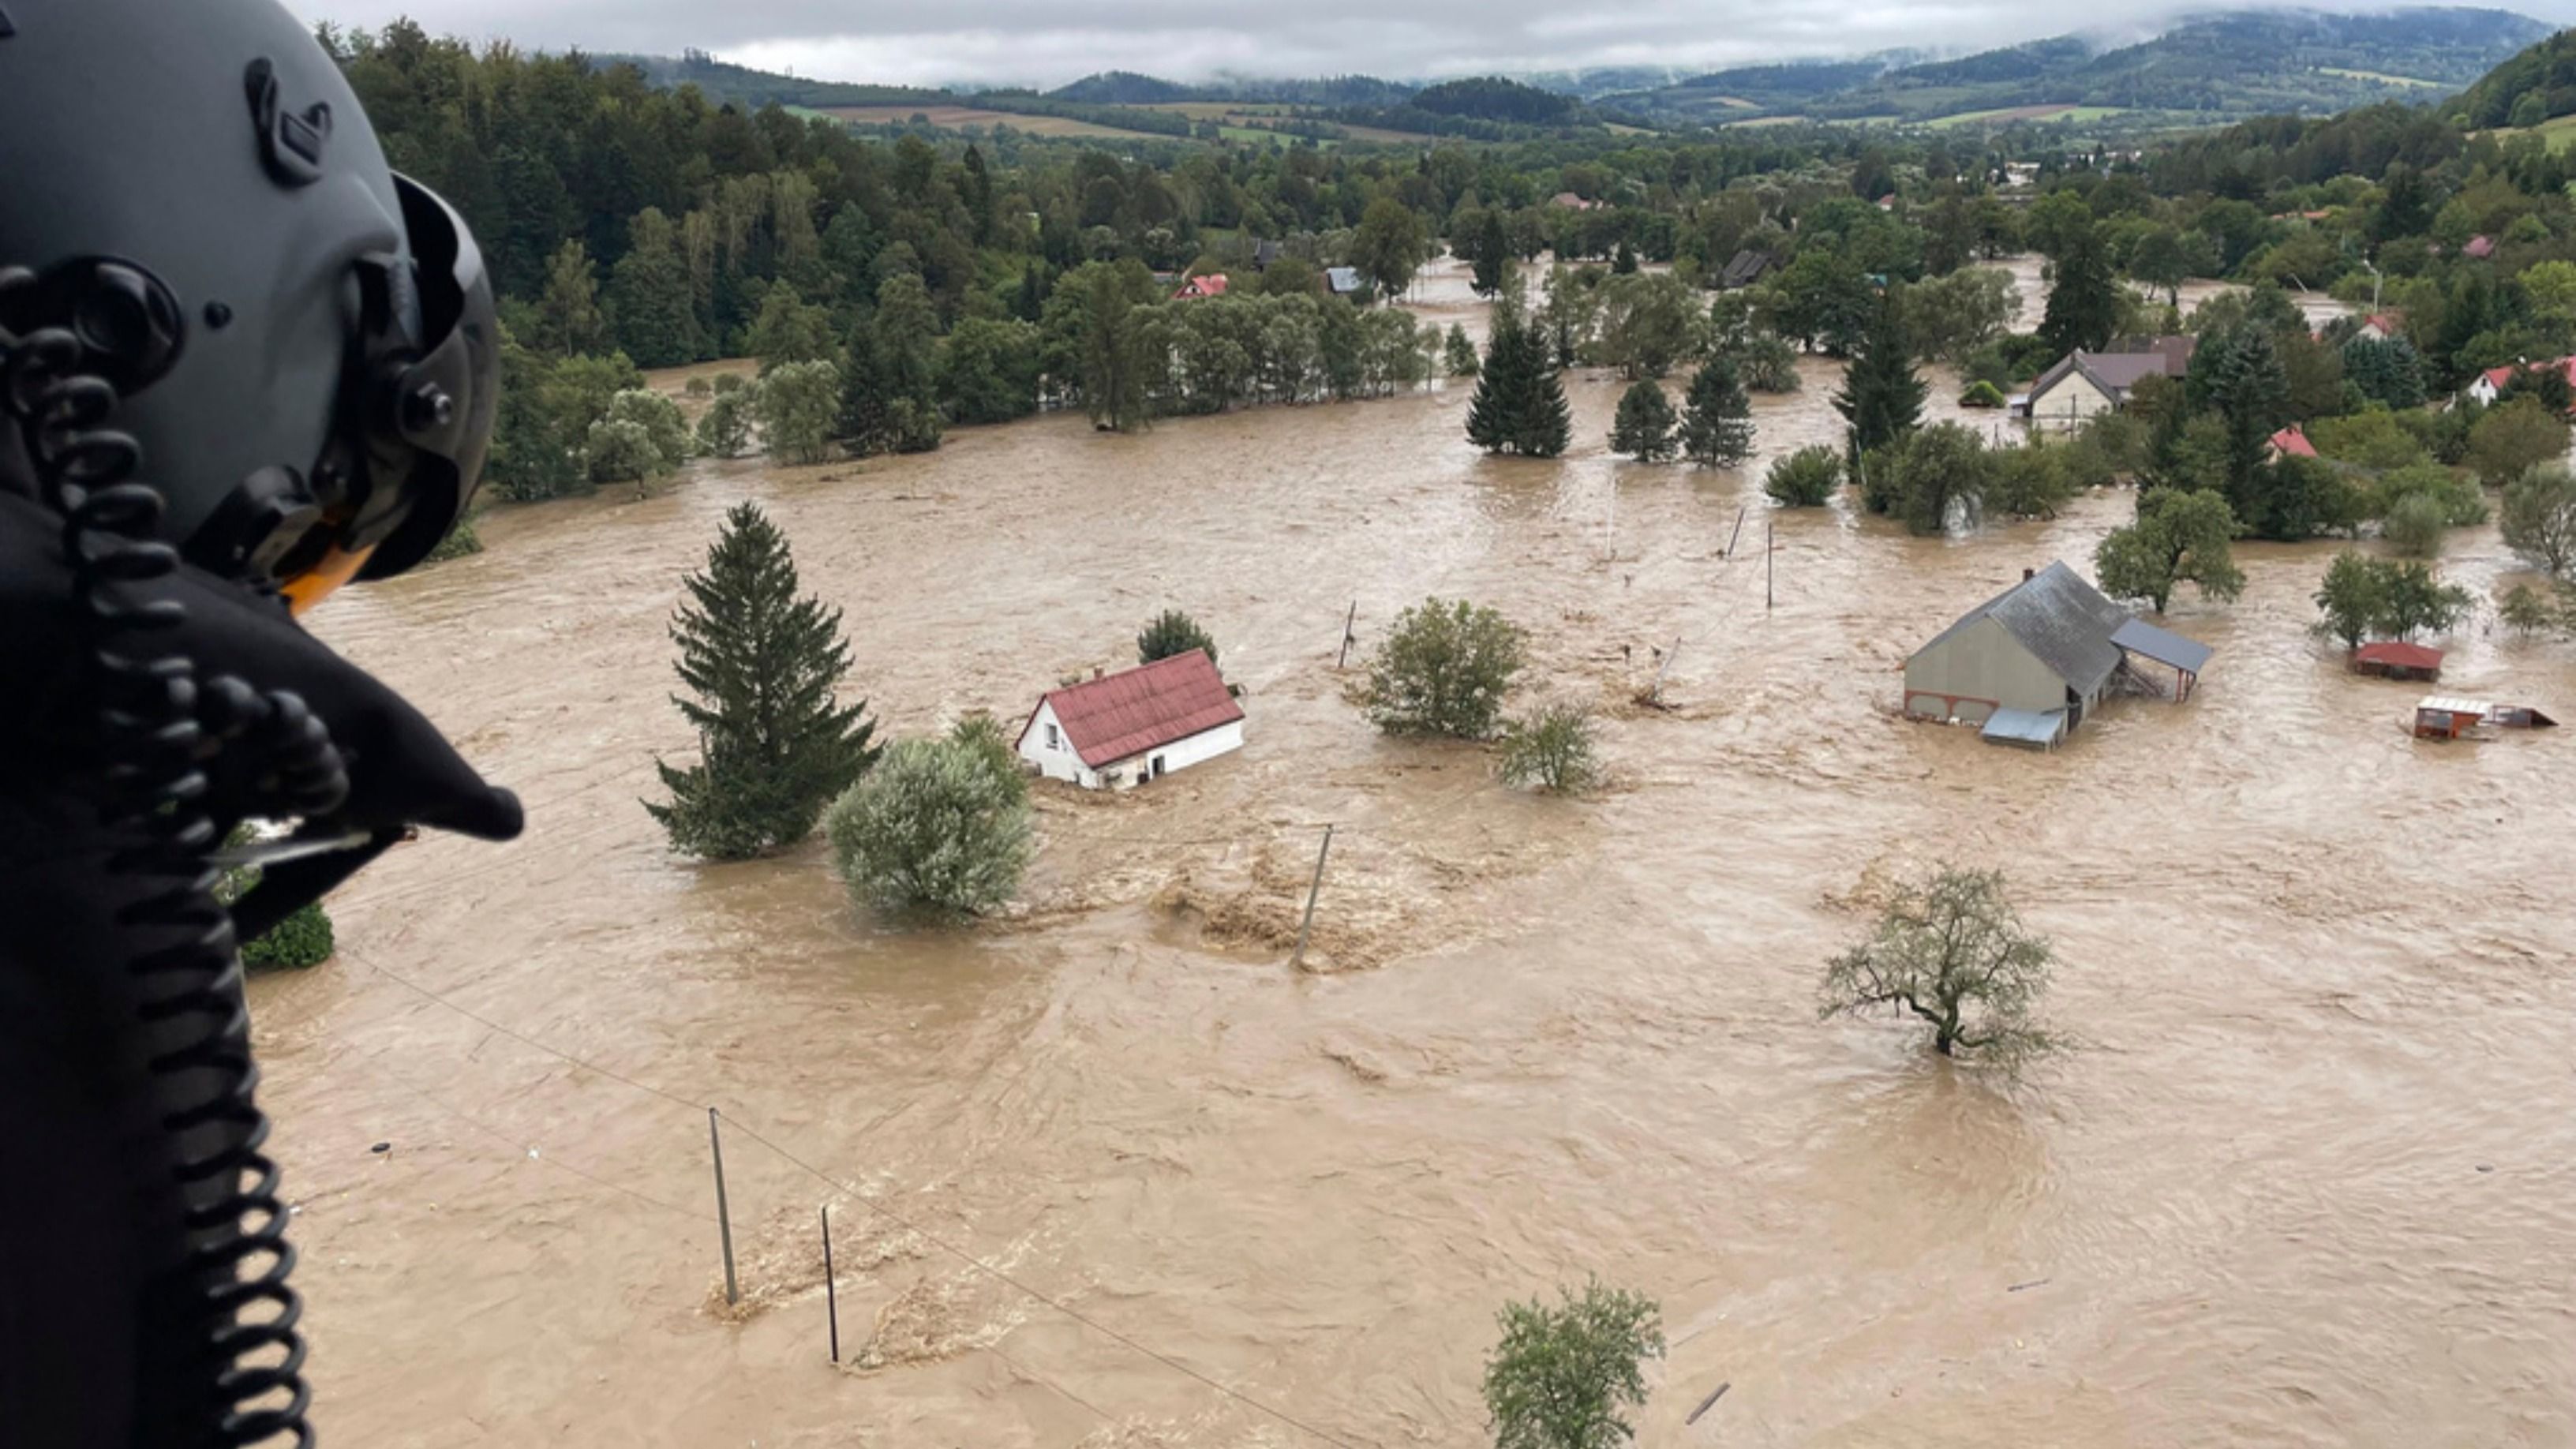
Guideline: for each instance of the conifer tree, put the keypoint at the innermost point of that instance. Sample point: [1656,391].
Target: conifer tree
[1624,260]
[1459,354]
[774,746]
[1882,396]
[867,396]
[2084,301]
[1492,255]
[1519,405]
[568,316]
[1643,428]
[1717,418]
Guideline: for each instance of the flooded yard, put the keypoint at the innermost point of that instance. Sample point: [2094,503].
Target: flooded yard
[2310,1178]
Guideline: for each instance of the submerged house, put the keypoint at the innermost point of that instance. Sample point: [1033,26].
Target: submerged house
[1133,726]
[2084,383]
[1746,268]
[2030,663]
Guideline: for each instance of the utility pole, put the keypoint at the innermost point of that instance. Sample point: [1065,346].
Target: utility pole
[1308,924]
[724,1215]
[831,1294]
[1348,636]
[1768,566]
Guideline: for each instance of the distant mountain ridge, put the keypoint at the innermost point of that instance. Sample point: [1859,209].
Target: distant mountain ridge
[2220,64]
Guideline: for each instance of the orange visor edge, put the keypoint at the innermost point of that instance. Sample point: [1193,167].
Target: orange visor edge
[323,579]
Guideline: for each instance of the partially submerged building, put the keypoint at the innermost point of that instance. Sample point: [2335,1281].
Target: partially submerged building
[1113,731]
[2394,659]
[2085,383]
[2449,717]
[2028,665]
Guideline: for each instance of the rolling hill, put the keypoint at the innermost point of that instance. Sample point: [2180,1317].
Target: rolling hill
[2212,66]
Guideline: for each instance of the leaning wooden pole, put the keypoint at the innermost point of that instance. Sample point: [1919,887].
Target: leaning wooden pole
[724,1214]
[831,1291]
[1306,926]
[1350,622]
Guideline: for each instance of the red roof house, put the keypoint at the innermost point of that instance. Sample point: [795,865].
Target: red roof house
[2492,381]
[2397,660]
[2478,247]
[2291,442]
[1136,725]
[1211,285]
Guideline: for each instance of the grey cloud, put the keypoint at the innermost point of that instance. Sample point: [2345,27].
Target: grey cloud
[1024,41]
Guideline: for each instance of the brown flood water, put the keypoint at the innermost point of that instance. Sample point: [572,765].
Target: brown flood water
[2308,1182]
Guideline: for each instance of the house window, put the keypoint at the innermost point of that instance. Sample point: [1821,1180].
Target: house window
[1055,741]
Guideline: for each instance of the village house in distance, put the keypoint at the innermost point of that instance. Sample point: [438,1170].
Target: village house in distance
[2029,664]
[1139,724]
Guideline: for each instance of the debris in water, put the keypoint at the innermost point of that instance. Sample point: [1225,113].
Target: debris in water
[2033,1283]
[1708,1403]
[382,1147]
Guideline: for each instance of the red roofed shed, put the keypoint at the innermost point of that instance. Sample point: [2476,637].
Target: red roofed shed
[1210,285]
[2292,442]
[2395,660]
[1135,725]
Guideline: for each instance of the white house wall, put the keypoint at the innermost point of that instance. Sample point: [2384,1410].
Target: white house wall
[1061,762]
[1977,670]
[2068,404]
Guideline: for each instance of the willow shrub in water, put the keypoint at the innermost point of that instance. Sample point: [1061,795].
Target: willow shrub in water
[940,826]
[1443,670]
[1562,1376]
[1950,951]
[1806,478]
[1551,747]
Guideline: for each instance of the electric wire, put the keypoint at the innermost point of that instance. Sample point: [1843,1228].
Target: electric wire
[856,1195]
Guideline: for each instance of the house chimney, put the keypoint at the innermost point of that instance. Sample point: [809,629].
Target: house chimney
[1095,671]
[2028,574]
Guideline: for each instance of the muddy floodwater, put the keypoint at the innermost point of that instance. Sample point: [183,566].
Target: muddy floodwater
[2310,1178]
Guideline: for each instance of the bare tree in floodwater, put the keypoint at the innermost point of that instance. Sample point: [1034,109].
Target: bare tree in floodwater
[1951,951]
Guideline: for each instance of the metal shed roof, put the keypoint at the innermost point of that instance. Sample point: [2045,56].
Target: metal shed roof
[2026,726]
[2059,618]
[2162,645]
[2454,704]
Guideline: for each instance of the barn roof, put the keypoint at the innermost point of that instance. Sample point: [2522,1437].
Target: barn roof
[2162,645]
[2398,655]
[1140,709]
[2062,620]
[2113,372]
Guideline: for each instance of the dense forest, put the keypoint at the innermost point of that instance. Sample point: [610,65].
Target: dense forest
[893,288]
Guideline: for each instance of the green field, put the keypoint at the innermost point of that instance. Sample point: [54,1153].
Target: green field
[2386,80]
[2009,114]
[2558,131]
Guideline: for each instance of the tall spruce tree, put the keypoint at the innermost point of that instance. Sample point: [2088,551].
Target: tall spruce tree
[1643,428]
[867,396]
[774,747]
[1519,405]
[1882,396]
[2250,387]
[1717,418]
[1492,254]
[2084,300]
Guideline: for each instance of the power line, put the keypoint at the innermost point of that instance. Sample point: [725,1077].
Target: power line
[398,1079]
[889,1214]
[1059,1305]
[428,995]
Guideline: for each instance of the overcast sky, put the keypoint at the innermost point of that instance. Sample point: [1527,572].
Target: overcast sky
[1048,42]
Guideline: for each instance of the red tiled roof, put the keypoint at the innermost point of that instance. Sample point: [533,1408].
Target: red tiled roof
[1140,709]
[2399,656]
[2384,321]
[1211,285]
[2292,441]
[2497,377]
[2479,246]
